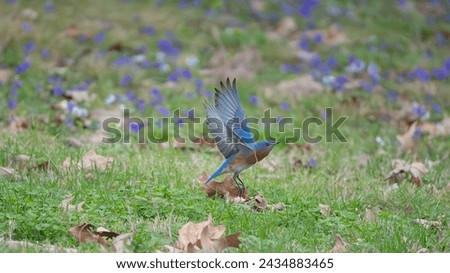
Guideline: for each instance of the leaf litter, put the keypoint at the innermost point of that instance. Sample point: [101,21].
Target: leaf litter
[402,169]
[204,237]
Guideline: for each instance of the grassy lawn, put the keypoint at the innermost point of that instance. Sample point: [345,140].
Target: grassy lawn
[384,66]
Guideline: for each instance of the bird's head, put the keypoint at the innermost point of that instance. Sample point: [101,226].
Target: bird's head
[266,145]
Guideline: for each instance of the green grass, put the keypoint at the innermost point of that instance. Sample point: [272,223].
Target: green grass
[154,190]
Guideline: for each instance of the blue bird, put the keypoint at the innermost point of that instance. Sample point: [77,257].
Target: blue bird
[229,127]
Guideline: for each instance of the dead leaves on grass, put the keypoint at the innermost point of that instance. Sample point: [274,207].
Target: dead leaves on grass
[228,190]
[67,207]
[402,169]
[85,233]
[90,161]
[204,237]
[340,245]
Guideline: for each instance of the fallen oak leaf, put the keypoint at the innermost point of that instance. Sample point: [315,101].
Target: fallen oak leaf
[340,245]
[260,203]
[8,172]
[210,244]
[90,161]
[227,186]
[406,140]
[325,210]
[402,168]
[428,223]
[84,233]
[121,242]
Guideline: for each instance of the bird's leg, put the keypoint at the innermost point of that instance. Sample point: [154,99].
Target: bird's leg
[240,185]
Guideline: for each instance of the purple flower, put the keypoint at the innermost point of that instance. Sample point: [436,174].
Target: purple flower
[366,86]
[392,95]
[318,38]
[140,105]
[447,64]
[168,48]
[48,6]
[290,68]
[440,73]
[419,110]
[339,83]
[374,71]
[254,100]
[11,2]
[58,90]
[332,62]
[287,8]
[186,73]
[312,162]
[27,27]
[417,133]
[23,67]
[148,30]
[38,87]
[164,111]
[123,61]
[304,42]
[190,114]
[45,53]
[422,75]
[173,77]
[82,38]
[307,8]
[355,65]
[28,47]
[131,96]
[198,84]
[135,127]
[99,37]
[436,108]
[12,104]
[142,49]
[126,80]
[70,106]
[285,106]
[207,94]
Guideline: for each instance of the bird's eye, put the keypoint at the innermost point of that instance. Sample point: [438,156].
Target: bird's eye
[267,144]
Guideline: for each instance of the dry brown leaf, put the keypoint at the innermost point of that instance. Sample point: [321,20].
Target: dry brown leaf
[71,31]
[370,216]
[29,14]
[195,237]
[402,168]
[4,75]
[406,140]
[278,207]
[363,159]
[43,166]
[90,161]
[8,172]
[121,242]
[20,162]
[244,64]
[260,203]
[286,26]
[74,142]
[428,223]
[84,233]
[301,86]
[17,124]
[222,188]
[196,144]
[333,35]
[340,245]
[325,210]
[67,207]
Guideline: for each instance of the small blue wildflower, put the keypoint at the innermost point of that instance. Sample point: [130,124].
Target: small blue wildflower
[123,61]
[190,114]
[38,87]
[198,84]
[140,105]
[392,95]
[82,38]
[419,110]
[27,27]
[142,49]
[287,8]
[332,62]
[366,86]
[99,37]
[17,83]
[45,53]
[23,67]
[148,30]
[131,96]
[312,162]
[28,48]
[58,91]
[168,48]
[173,77]
[318,38]
[440,73]
[207,94]
[422,75]
[418,133]
[11,2]
[285,106]
[307,8]
[135,127]
[447,64]
[48,6]
[164,111]
[70,106]
[304,42]
[355,65]
[254,100]
[126,80]
[374,72]
[339,83]
[12,104]
[436,108]
[186,74]
[315,61]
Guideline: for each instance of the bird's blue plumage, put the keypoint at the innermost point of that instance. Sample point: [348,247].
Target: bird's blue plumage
[228,125]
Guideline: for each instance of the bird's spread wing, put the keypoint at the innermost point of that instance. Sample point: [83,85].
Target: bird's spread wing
[226,120]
